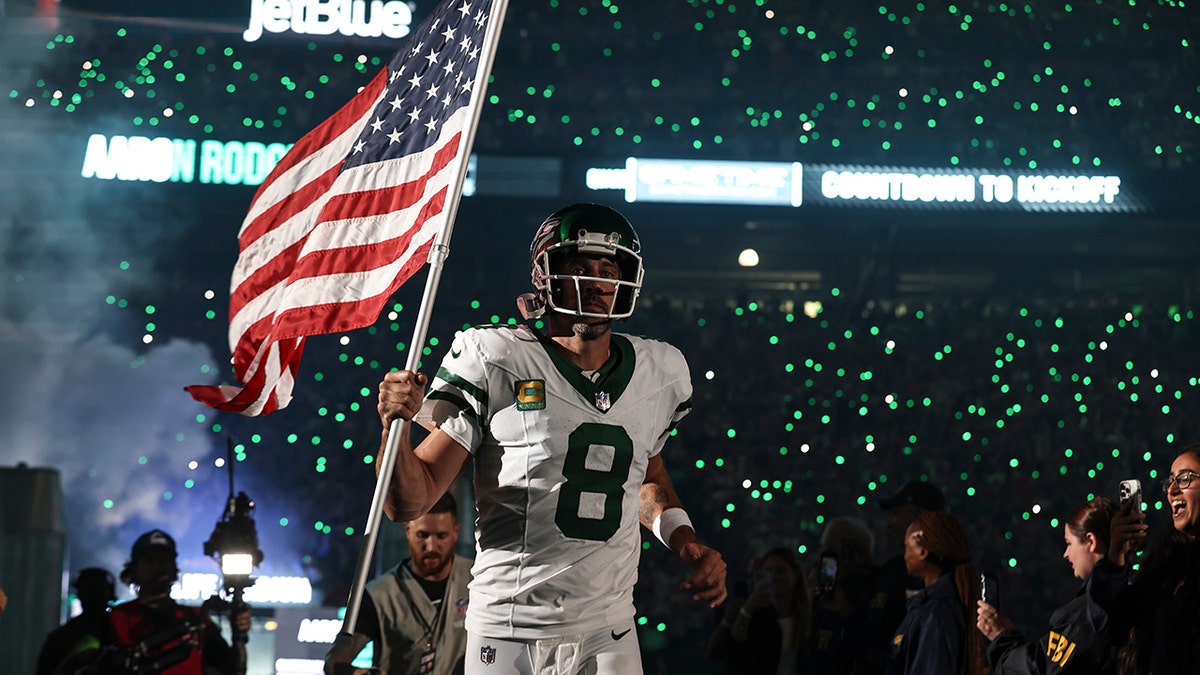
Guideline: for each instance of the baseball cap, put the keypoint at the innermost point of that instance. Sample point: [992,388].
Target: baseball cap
[151,540]
[918,493]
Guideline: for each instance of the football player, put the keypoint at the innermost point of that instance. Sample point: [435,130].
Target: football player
[566,428]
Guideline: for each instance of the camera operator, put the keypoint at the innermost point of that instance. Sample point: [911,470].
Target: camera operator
[154,634]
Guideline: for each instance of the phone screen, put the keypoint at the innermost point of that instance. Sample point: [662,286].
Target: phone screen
[989,589]
[827,575]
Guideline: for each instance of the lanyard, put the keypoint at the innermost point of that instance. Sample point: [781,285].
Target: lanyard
[430,627]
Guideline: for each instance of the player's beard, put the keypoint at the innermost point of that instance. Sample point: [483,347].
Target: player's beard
[591,331]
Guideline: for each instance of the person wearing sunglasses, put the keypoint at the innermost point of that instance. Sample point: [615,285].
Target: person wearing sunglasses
[1162,605]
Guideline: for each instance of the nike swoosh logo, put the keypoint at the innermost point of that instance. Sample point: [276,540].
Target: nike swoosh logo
[455,353]
[618,636]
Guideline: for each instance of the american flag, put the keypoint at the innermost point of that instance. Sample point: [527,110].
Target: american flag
[350,213]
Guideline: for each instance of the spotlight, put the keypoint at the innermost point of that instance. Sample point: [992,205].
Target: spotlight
[234,543]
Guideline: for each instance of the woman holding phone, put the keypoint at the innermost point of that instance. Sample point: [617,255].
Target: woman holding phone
[1077,641]
[1162,606]
[938,635]
[766,634]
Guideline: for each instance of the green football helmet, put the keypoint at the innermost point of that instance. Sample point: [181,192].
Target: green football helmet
[591,229]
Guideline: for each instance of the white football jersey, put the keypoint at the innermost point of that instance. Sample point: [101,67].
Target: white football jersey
[559,460]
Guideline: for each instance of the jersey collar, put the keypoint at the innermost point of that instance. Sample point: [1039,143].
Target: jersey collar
[612,377]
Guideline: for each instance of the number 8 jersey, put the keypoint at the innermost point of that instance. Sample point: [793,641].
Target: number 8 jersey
[559,459]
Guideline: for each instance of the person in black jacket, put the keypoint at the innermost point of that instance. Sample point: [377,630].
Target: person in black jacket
[938,635]
[1162,606]
[1078,640]
[77,643]
[893,585]
[845,640]
[767,633]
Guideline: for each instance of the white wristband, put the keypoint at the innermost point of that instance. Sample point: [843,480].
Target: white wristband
[668,521]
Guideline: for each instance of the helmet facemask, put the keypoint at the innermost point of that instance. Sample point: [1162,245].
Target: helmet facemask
[551,286]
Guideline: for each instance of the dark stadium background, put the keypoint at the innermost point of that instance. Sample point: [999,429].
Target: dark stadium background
[1036,357]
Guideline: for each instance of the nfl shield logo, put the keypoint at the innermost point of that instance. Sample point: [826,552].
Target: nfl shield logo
[487,655]
[602,401]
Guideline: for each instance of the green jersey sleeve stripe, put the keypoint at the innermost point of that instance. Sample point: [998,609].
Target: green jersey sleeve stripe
[458,402]
[468,388]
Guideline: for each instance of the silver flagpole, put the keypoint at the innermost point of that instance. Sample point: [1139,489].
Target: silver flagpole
[437,258]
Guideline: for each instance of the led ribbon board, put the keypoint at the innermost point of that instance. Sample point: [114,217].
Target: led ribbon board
[180,160]
[791,184]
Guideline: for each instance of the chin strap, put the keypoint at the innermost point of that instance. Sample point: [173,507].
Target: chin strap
[530,306]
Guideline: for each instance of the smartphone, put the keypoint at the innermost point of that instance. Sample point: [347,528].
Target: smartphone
[827,574]
[989,589]
[1131,490]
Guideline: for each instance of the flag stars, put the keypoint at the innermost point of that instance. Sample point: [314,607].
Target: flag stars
[431,77]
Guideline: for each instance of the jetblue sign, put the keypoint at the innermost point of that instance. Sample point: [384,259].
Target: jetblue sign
[391,19]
